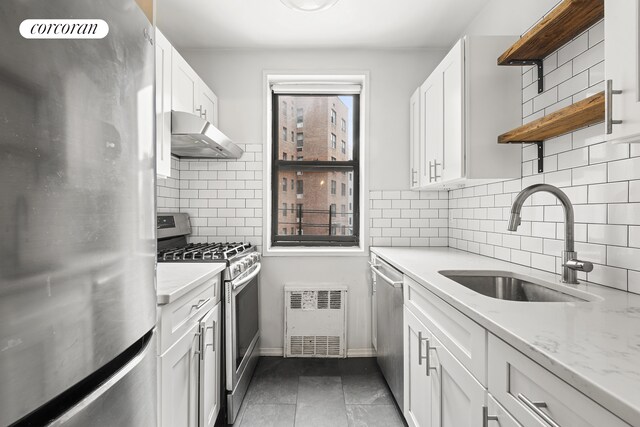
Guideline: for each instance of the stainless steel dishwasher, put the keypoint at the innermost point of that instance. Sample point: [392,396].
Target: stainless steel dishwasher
[387,285]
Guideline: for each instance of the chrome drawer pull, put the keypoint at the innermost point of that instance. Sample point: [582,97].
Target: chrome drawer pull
[426,356]
[200,303]
[486,417]
[535,408]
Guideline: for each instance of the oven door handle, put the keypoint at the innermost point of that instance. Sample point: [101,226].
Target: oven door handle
[241,283]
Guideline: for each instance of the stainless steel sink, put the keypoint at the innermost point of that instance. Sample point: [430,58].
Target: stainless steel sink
[507,286]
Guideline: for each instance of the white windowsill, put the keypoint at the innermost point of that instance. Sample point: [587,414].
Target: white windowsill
[315,251]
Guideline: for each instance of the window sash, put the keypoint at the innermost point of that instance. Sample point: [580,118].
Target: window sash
[317,166]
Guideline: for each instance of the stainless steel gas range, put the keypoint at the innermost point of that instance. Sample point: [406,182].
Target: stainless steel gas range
[241,280]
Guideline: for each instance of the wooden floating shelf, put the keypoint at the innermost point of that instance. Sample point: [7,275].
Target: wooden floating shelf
[563,23]
[583,113]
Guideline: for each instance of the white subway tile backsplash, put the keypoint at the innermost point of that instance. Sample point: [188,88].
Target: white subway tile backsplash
[590,174]
[609,193]
[588,59]
[574,48]
[623,257]
[624,170]
[624,213]
[608,234]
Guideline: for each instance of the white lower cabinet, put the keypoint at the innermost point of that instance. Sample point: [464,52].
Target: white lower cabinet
[439,391]
[179,382]
[189,352]
[459,398]
[447,359]
[536,397]
[209,393]
[418,395]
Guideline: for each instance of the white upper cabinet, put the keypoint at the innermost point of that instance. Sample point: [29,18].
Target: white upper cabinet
[207,106]
[414,138]
[163,105]
[622,68]
[431,119]
[465,103]
[185,82]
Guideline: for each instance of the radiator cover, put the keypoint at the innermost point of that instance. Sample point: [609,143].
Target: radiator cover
[315,321]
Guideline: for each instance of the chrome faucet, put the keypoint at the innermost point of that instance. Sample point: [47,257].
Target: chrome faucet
[570,264]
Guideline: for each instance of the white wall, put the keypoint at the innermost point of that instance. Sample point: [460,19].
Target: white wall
[509,17]
[237,78]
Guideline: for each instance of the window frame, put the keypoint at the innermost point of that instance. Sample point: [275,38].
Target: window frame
[356,240]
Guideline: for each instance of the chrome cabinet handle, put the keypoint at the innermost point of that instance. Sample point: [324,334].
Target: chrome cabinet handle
[435,169]
[486,417]
[535,408]
[414,181]
[608,105]
[200,303]
[425,357]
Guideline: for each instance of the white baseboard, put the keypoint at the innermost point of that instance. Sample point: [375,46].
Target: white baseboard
[278,352]
[352,352]
[361,352]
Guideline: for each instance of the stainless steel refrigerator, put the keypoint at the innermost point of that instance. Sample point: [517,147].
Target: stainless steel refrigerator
[77,224]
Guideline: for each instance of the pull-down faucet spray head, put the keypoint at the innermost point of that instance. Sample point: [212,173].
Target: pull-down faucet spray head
[514,221]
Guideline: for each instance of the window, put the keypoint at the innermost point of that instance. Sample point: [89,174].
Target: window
[284,209]
[284,184]
[284,156]
[320,174]
[300,141]
[292,136]
[284,108]
[284,134]
[284,231]
[344,125]
[300,118]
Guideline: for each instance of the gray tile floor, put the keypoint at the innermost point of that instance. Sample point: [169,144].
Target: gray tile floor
[317,393]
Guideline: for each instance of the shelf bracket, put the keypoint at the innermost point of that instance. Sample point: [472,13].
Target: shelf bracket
[540,69]
[540,156]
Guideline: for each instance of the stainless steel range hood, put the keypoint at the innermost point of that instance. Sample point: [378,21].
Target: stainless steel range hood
[193,136]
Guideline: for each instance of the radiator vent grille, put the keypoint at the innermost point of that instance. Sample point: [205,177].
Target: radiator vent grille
[315,322]
[315,346]
[316,300]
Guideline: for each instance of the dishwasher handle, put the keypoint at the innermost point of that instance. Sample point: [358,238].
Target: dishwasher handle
[394,283]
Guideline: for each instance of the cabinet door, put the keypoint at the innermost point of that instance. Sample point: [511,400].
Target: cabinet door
[209,397]
[458,399]
[179,382]
[431,128]
[450,162]
[184,87]
[207,104]
[418,408]
[622,63]
[414,138]
[163,105]
[374,313]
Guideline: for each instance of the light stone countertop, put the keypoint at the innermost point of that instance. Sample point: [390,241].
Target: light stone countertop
[175,279]
[594,346]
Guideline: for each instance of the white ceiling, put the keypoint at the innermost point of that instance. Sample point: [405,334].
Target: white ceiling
[349,24]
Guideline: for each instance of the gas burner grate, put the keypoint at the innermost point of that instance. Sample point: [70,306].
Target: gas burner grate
[203,251]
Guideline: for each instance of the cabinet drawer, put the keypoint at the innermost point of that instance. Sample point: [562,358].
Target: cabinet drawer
[504,419]
[517,383]
[464,338]
[177,317]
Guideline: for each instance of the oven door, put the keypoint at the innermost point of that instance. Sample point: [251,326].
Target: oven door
[242,326]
